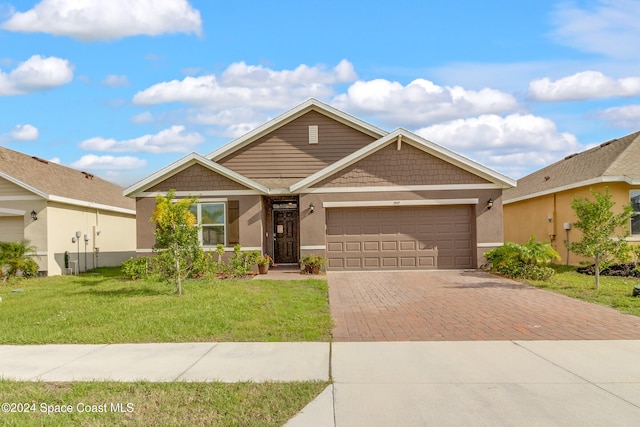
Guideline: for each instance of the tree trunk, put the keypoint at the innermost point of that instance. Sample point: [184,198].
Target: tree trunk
[597,272]
[175,254]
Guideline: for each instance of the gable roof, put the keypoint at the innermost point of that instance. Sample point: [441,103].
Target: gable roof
[58,183]
[184,163]
[612,161]
[404,136]
[311,104]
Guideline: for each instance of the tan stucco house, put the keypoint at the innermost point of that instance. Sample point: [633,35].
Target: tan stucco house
[317,180]
[49,204]
[540,205]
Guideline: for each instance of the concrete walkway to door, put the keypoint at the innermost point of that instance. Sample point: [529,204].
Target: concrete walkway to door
[463,306]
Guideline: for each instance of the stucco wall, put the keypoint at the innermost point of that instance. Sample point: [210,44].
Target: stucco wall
[544,217]
[112,233]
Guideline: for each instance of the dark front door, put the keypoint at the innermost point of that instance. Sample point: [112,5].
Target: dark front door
[285,230]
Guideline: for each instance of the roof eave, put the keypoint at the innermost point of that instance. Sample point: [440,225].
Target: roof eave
[572,186]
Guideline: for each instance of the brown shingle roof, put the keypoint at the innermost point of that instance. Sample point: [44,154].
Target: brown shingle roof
[56,180]
[615,158]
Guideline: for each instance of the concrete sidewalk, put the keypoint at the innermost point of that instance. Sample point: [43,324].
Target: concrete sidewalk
[226,362]
[491,383]
[494,383]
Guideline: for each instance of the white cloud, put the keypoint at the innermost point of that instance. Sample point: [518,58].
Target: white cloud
[24,133]
[514,144]
[241,85]
[91,161]
[90,20]
[36,73]
[607,27]
[626,117]
[421,101]
[583,85]
[55,160]
[113,80]
[172,140]
[141,118]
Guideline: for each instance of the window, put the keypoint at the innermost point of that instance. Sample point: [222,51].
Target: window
[635,205]
[211,219]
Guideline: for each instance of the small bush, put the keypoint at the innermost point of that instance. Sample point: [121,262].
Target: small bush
[529,261]
[136,268]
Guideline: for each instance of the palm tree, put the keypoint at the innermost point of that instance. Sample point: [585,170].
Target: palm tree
[17,258]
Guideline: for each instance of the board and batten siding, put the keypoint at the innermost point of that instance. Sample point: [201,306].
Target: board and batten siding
[286,152]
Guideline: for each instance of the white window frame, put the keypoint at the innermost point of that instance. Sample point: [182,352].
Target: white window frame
[201,225]
[631,196]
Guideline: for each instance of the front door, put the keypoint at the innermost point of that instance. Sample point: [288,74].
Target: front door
[285,231]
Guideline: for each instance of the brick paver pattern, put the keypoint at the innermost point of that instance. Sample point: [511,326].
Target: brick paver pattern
[463,306]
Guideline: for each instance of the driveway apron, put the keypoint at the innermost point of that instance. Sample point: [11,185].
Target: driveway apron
[463,306]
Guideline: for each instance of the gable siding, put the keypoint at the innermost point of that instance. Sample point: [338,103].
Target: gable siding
[197,178]
[407,166]
[286,152]
[8,188]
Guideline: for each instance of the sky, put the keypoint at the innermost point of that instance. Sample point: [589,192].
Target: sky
[123,88]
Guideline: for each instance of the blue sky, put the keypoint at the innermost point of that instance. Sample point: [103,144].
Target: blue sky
[121,88]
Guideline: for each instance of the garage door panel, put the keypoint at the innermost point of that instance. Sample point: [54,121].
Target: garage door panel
[426,261]
[408,245]
[371,246]
[408,262]
[353,247]
[390,262]
[388,229]
[416,237]
[372,262]
[389,246]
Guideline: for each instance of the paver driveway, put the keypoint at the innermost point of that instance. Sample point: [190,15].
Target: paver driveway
[463,305]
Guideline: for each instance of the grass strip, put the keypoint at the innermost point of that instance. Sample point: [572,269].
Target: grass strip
[144,403]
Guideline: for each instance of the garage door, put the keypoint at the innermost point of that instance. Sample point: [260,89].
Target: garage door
[419,238]
[11,228]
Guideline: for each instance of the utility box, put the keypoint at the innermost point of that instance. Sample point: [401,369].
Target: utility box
[566,226]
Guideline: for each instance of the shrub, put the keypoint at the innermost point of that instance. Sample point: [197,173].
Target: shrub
[242,261]
[16,259]
[136,268]
[529,261]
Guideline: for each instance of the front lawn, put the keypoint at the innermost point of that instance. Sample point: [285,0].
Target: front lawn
[101,307]
[614,292]
[160,404]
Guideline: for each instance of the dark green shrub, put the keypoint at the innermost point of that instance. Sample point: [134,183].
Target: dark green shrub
[529,261]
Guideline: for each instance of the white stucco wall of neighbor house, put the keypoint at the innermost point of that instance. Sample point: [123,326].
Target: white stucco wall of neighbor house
[106,238]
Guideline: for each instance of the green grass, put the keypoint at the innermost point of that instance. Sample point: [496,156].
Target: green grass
[166,404]
[101,307]
[614,292]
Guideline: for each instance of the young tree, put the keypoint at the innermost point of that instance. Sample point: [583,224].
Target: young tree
[599,225]
[176,235]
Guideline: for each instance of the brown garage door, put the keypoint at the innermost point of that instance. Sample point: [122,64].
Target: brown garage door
[419,238]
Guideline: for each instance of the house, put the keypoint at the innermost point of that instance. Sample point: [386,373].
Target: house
[317,180]
[540,205]
[50,205]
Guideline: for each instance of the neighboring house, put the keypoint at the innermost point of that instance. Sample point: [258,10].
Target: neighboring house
[540,205]
[317,180]
[48,204]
